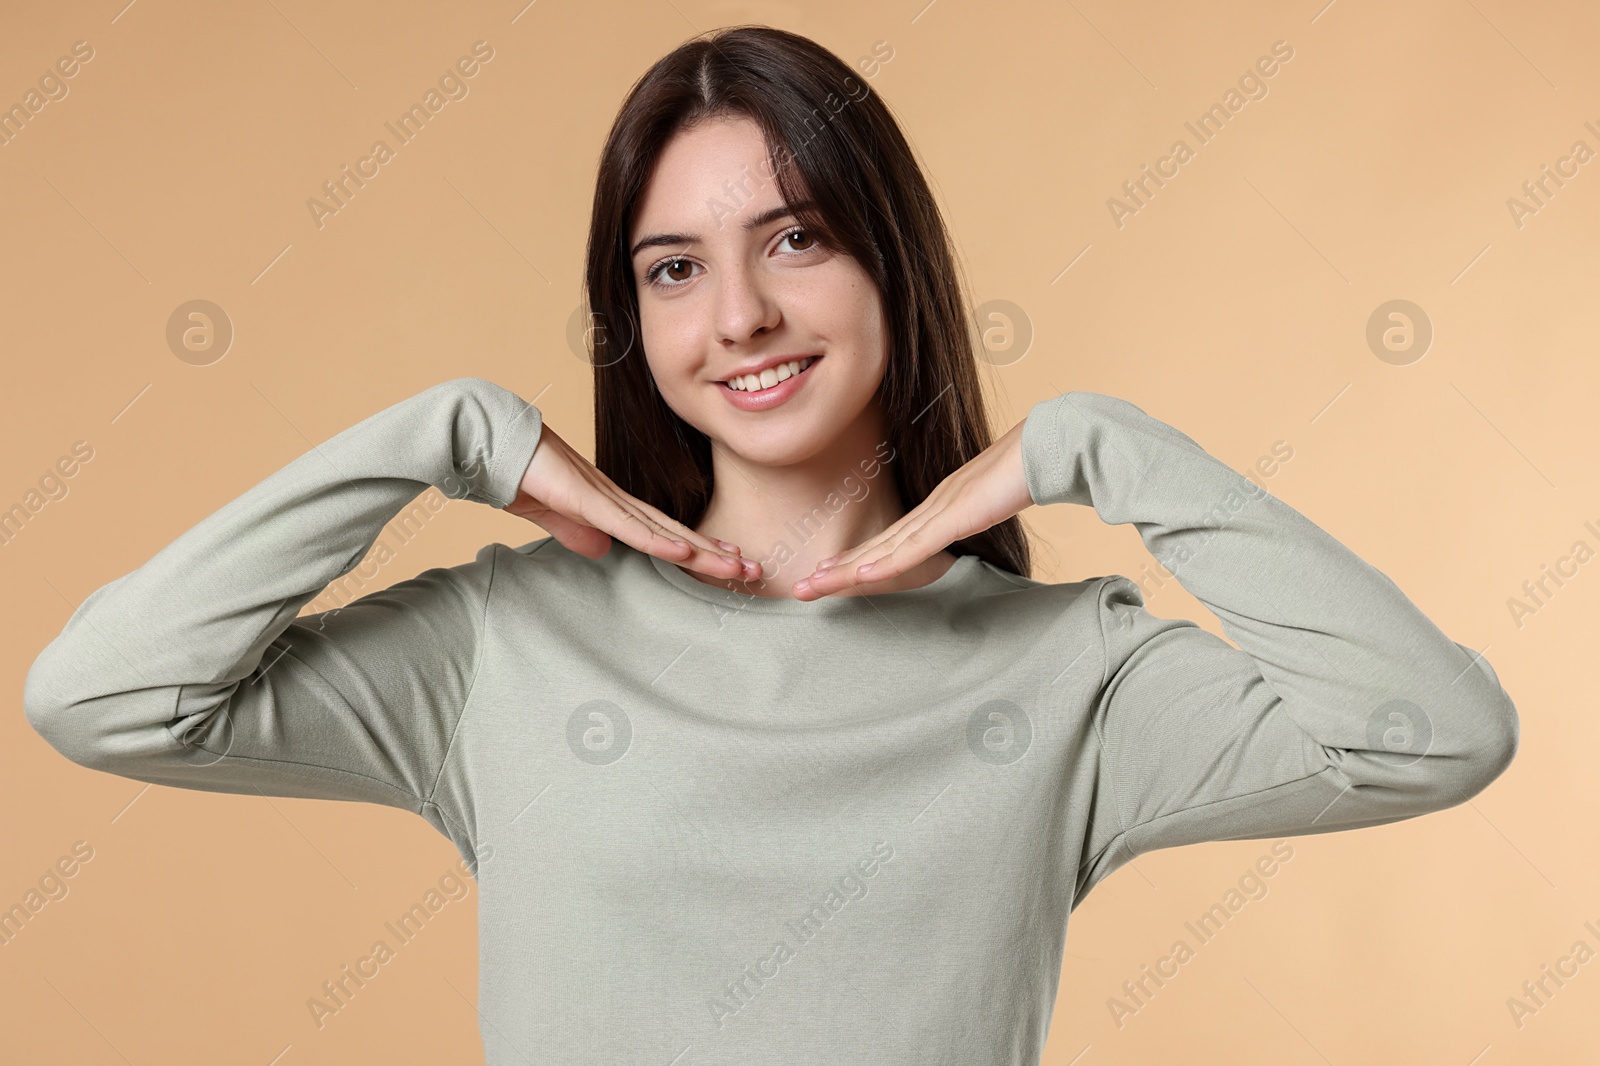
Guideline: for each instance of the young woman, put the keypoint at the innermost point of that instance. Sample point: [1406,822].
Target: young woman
[772,750]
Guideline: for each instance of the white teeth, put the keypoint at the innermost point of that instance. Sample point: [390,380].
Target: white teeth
[770,376]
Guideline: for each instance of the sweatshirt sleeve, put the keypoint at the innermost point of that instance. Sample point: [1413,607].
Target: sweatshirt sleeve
[1343,706]
[193,671]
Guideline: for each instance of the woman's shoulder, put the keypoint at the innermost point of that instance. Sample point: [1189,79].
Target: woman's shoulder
[550,564]
[1030,602]
[999,579]
[549,556]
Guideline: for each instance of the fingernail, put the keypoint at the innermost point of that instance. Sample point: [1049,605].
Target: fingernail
[863,569]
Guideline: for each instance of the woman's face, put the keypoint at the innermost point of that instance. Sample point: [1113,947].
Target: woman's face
[729,285]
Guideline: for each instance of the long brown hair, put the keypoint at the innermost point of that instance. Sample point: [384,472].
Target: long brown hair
[831,139]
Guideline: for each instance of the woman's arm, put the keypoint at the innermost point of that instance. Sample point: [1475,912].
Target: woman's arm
[193,671]
[1343,705]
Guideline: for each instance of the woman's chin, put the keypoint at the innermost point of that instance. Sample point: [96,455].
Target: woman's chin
[773,447]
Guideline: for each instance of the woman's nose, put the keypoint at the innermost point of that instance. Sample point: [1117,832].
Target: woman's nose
[745,305]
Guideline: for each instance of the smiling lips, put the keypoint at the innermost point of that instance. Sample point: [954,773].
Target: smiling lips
[770,376]
[774,385]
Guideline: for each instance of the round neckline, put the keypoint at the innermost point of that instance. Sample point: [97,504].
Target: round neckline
[960,572]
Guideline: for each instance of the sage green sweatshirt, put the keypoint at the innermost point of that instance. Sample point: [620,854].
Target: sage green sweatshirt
[709,827]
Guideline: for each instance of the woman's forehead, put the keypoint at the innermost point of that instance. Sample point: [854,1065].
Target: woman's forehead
[706,176]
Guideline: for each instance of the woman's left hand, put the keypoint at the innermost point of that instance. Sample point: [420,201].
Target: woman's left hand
[986,490]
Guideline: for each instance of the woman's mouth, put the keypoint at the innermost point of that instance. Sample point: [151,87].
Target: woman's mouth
[770,388]
[770,376]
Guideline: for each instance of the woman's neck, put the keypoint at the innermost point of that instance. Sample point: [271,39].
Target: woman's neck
[789,517]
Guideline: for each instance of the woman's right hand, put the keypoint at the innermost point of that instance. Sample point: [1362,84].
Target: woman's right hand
[578,505]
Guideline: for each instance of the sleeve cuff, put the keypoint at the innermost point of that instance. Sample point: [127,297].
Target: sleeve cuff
[515,435]
[1048,476]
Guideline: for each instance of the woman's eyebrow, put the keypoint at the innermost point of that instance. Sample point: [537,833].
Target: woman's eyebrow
[772,214]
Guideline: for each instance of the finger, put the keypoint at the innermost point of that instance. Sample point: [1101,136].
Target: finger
[664,522]
[850,556]
[874,547]
[635,527]
[710,557]
[917,544]
[815,587]
[934,501]
[840,574]
[883,561]
[575,495]
[678,529]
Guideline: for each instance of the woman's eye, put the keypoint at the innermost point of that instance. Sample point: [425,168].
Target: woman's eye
[674,271]
[806,242]
[671,273]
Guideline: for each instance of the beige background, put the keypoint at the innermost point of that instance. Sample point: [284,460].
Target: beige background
[1233,305]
